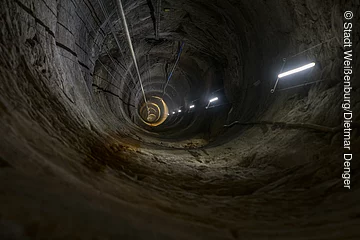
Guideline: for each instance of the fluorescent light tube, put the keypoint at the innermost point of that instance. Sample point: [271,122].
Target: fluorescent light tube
[214,99]
[192,106]
[299,69]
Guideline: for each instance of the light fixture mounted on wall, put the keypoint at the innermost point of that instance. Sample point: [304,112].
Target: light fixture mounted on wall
[290,72]
[296,70]
[213,99]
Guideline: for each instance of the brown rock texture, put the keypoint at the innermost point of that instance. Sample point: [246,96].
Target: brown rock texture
[77,162]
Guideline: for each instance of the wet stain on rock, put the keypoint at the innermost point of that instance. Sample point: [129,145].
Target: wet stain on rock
[117,156]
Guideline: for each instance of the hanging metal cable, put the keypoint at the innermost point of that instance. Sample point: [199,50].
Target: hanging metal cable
[173,69]
[116,63]
[121,10]
[108,71]
[107,16]
[93,29]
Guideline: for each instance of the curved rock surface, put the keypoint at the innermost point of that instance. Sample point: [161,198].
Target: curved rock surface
[78,161]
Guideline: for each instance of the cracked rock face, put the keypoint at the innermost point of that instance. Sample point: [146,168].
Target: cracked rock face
[79,160]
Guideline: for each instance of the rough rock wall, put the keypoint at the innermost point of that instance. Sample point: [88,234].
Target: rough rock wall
[70,170]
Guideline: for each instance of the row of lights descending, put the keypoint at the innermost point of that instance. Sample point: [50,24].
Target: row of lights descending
[193,106]
[281,75]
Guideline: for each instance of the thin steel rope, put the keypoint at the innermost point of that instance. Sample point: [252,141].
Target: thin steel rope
[173,68]
[107,16]
[317,45]
[119,4]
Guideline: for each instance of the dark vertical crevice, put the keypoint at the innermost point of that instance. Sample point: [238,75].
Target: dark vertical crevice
[152,13]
